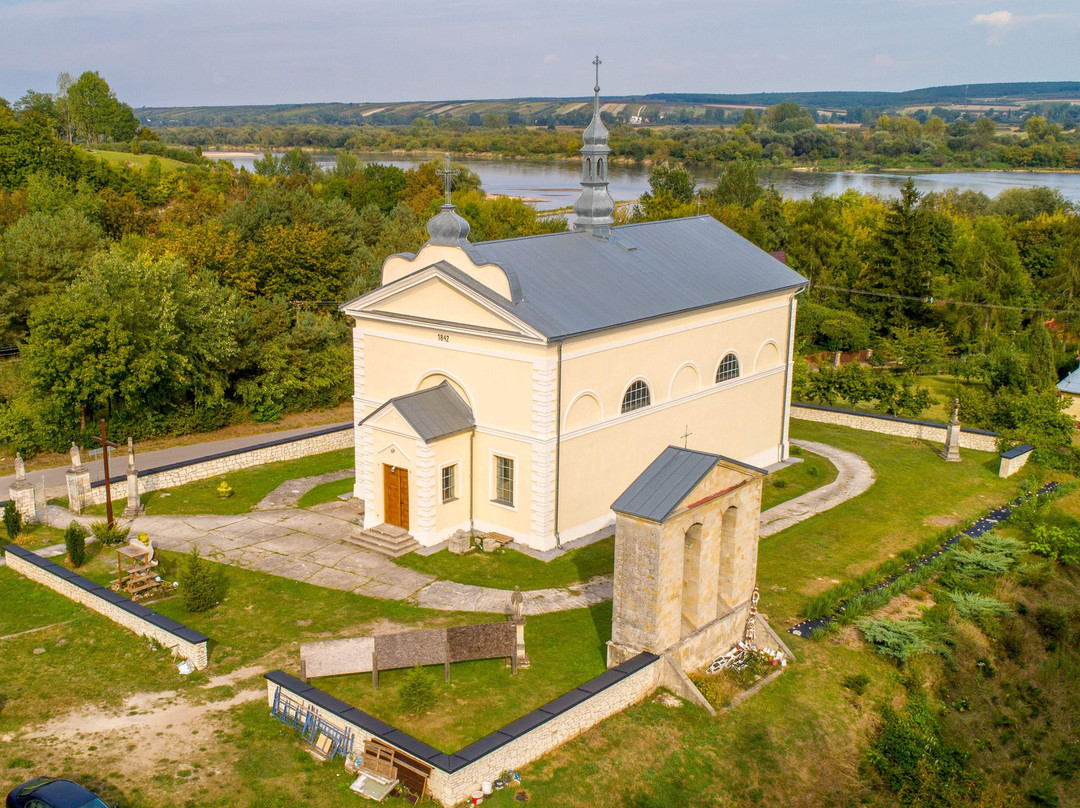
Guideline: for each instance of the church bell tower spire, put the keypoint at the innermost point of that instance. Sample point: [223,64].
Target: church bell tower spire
[594,207]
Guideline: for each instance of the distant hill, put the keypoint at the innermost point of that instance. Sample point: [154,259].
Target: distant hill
[576,110]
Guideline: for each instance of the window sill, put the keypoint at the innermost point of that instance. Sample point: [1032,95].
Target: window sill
[508,505]
[448,500]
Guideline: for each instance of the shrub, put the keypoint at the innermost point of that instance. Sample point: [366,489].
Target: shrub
[895,639]
[418,692]
[978,608]
[1051,624]
[780,483]
[856,683]
[75,543]
[12,521]
[199,583]
[717,689]
[1056,544]
[109,536]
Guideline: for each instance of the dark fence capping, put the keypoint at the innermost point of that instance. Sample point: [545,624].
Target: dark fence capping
[897,418]
[565,702]
[525,723]
[283,679]
[367,722]
[486,745]
[603,681]
[230,453]
[407,743]
[327,702]
[1018,451]
[642,660]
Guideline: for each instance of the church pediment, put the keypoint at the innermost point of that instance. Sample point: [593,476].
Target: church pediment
[433,295]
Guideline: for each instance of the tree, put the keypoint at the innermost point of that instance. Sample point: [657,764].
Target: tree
[671,191]
[93,105]
[75,543]
[738,184]
[919,350]
[200,584]
[66,120]
[12,521]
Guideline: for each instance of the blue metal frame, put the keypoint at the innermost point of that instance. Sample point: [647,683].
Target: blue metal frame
[310,724]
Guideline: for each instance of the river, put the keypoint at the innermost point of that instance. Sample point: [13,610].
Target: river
[550,184]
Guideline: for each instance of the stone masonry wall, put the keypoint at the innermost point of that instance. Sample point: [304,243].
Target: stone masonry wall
[455,776]
[975,439]
[183,641]
[226,463]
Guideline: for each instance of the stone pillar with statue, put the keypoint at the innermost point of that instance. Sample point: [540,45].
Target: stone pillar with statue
[134,505]
[78,481]
[21,492]
[951,452]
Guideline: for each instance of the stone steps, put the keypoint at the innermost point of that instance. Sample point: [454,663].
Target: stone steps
[385,540]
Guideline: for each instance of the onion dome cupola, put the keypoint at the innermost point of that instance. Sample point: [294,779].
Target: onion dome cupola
[594,207]
[448,228]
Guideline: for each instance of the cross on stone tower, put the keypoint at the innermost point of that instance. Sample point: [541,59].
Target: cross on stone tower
[597,62]
[448,175]
[686,437]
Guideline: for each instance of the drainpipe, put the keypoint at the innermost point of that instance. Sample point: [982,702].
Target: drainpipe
[558,438]
[472,477]
[788,372]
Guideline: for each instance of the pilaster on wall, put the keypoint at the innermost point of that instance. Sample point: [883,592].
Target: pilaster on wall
[364,486]
[359,380]
[426,491]
[545,417]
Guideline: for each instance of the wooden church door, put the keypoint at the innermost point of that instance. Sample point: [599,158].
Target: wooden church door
[396,494]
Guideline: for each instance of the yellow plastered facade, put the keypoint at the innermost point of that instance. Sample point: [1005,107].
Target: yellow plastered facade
[551,407]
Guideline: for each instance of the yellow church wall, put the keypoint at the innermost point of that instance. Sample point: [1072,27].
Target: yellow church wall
[515,521]
[434,299]
[398,266]
[1074,405]
[741,420]
[496,384]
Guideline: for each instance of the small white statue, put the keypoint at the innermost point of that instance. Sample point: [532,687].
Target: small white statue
[76,456]
[20,468]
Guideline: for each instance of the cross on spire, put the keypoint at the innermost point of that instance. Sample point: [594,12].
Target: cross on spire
[447,174]
[686,437]
[597,62]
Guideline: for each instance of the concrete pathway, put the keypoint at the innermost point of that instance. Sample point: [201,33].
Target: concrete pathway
[309,546]
[56,485]
[853,476]
[289,492]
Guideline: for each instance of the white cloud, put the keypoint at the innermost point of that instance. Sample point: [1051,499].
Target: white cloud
[883,60]
[998,22]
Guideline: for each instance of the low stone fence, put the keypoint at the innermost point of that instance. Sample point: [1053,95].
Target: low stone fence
[183,641]
[216,465]
[455,776]
[977,439]
[1014,459]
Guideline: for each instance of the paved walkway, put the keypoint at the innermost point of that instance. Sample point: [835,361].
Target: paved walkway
[853,476]
[309,546]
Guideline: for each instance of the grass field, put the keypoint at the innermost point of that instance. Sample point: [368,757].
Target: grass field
[326,492]
[806,724]
[137,160]
[794,481]
[508,568]
[249,487]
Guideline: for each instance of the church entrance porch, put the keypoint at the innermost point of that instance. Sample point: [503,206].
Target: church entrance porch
[396,496]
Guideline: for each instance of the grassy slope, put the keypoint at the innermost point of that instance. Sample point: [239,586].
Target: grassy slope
[814,472]
[138,160]
[916,494]
[326,492]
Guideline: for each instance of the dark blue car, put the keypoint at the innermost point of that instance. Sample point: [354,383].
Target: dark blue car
[49,792]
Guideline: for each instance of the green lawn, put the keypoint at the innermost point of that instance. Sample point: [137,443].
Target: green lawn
[326,492]
[505,569]
[35,536]
[566,649]
[916,494]
[249,487]
[814,472]
[138,160]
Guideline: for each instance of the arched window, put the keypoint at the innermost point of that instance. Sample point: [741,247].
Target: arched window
[636,397]
[729,368]
[599,168]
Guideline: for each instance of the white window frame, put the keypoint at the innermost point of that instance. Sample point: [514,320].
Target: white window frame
[443,499]
[648,390]
[493,465]
[719,367]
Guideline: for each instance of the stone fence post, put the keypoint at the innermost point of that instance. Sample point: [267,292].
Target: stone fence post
[78,481]
[21,492]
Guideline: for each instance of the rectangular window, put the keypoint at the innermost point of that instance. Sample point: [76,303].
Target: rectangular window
[504,480]
[449,483]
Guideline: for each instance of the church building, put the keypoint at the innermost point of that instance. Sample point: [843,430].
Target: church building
[517,387]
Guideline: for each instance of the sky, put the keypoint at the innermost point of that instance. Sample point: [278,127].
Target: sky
[198,52]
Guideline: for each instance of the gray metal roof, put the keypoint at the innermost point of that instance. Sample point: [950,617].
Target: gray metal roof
[437,412]
[572,283]
[1071,383]
[668,480]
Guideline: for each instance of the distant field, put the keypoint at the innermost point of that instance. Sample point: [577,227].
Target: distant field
[137,160]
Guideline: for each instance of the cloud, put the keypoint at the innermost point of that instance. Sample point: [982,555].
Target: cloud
[883,60]
[998,22]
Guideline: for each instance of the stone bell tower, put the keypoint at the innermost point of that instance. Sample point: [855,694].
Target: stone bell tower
[594,207]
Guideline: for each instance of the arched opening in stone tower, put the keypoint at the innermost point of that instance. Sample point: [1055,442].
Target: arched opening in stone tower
[692,584]
[726,583]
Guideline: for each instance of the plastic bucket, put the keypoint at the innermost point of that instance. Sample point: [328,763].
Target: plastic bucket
[477,798]
[486,788]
